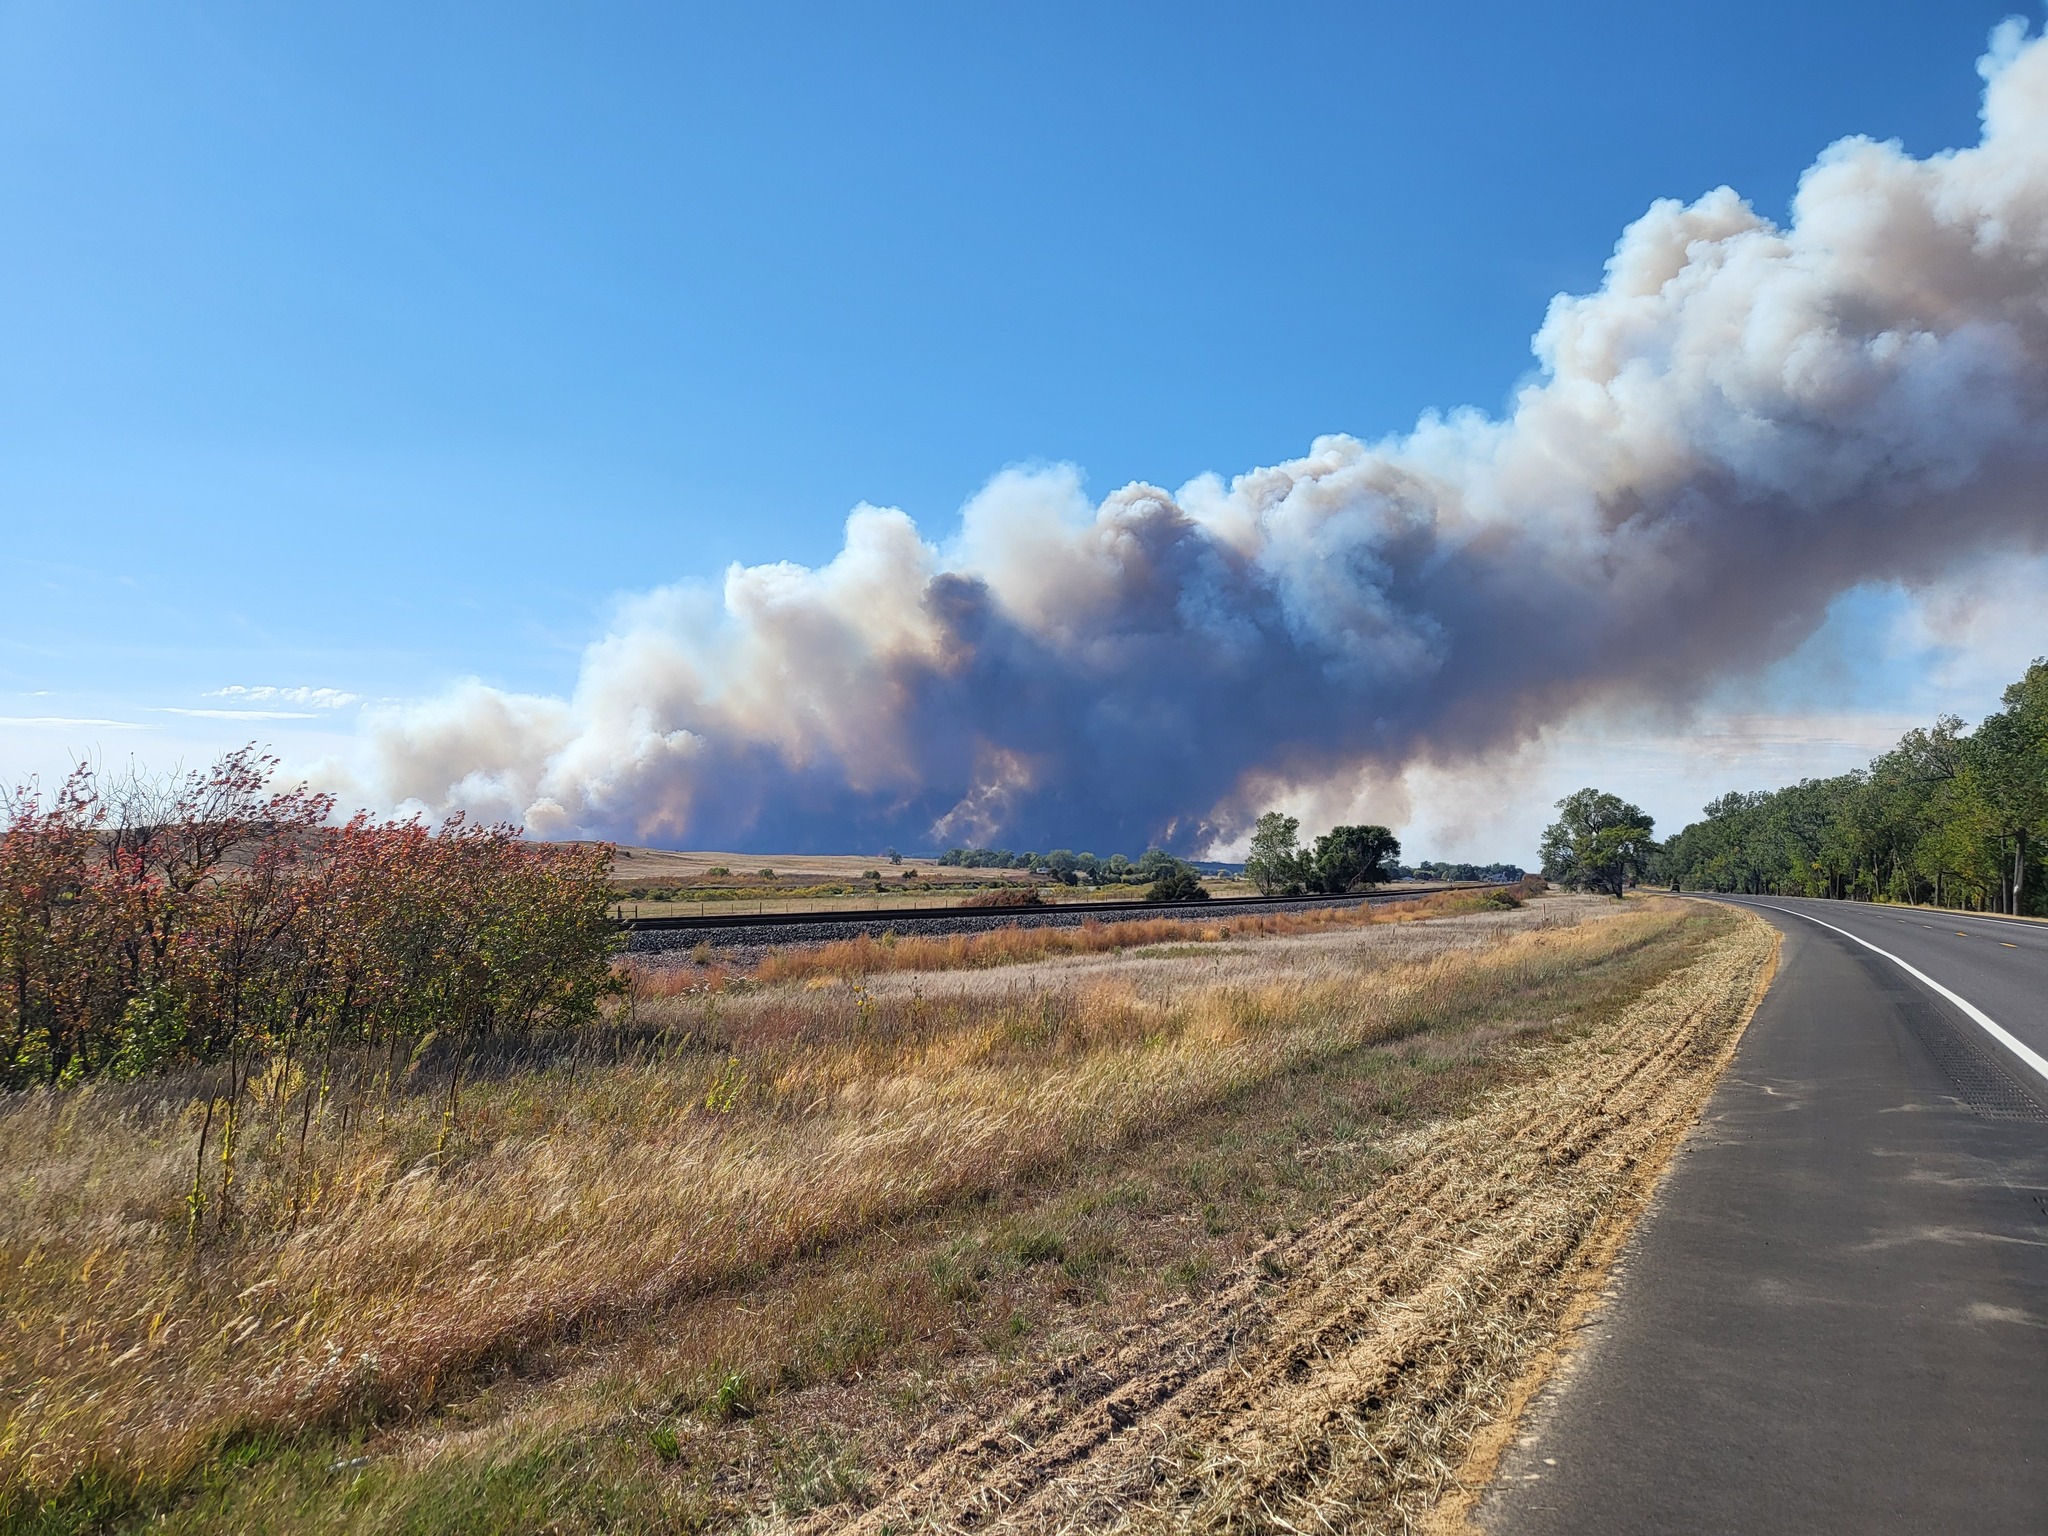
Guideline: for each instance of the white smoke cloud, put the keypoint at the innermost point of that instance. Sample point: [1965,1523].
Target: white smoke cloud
[1744,421]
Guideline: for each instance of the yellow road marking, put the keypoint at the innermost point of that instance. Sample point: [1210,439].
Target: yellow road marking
[2008,946]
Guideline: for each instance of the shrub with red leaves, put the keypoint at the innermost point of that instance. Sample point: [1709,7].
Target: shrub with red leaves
[214,919]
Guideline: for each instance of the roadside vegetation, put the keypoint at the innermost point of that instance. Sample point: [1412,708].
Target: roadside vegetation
[723,1252]
[1951,816]
[212,920]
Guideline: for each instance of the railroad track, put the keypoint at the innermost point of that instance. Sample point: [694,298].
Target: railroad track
[750,928]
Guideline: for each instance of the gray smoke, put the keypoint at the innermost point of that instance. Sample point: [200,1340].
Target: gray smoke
[1742,423]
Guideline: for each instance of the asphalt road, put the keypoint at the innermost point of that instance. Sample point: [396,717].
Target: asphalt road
[1834,1317]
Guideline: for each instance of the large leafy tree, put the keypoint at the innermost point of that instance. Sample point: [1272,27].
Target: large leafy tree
[1273,863]
[1598,843]
[1348,858]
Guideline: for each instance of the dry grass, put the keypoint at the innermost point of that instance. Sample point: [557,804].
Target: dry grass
[741,1132]
[1011,946]
[755,1126]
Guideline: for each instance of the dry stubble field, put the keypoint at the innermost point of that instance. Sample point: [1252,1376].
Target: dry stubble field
[1220,1229]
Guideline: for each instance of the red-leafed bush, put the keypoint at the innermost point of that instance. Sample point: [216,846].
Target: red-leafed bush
[214,921]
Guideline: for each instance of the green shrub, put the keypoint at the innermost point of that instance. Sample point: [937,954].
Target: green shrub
[1181,884]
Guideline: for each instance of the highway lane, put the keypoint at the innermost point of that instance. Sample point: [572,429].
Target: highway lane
[1997,963]
[1834,1316]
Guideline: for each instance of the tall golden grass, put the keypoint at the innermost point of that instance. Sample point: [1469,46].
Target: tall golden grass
[742,1128]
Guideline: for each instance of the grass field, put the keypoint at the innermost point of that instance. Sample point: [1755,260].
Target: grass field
[761,1249]
[655,882]
[787,900]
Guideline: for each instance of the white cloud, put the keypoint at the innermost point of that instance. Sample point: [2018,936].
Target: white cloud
[238,714]
[317,698]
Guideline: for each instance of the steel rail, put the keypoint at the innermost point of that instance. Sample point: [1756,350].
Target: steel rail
[1218,904]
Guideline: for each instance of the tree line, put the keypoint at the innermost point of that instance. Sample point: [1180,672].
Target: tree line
[1436,869]
[1342,859]
[214,922]
[1070,868]
[1951,816]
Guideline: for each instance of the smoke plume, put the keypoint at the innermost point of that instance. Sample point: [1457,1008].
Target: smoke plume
[1744,421]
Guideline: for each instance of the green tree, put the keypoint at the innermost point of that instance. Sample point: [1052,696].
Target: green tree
[2004,769]
[1599,843]
[1178,884]
[1274,862]
[1347,858]
[1156,862]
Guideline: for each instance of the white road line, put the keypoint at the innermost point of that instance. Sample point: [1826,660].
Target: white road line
[1977,1015]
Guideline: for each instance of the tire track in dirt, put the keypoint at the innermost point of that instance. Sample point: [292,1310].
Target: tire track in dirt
[1336,1380]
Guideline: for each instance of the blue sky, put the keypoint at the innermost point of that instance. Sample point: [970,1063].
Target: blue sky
[361,349]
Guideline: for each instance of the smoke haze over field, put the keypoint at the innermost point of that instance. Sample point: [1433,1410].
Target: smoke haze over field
[1744,422]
